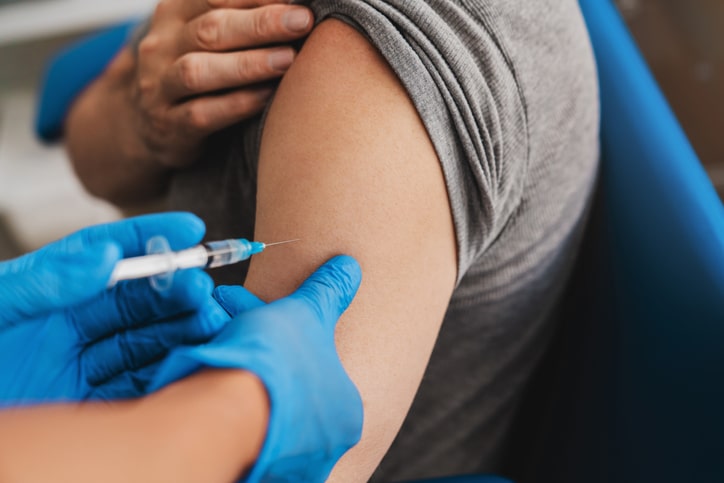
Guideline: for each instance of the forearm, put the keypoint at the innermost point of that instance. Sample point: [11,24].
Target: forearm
[103,144]
[207,428]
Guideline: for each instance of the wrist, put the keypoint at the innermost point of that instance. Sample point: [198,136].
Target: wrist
[114,163]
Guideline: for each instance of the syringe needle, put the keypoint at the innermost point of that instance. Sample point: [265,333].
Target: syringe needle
[267,245]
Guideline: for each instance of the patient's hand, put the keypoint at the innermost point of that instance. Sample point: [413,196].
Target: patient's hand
[202,66]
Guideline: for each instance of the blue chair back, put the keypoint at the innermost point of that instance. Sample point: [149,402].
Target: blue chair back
[70,71]
[639,386]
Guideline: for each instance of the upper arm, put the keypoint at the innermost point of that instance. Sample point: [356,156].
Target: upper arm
[347,166]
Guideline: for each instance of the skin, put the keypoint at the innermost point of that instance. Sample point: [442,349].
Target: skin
[347,166]
[207,428]
[204,65]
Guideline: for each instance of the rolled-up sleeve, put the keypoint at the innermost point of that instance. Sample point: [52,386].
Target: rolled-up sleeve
[465,90]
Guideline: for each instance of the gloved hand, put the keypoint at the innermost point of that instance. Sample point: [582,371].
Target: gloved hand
[316,411]
[63,336]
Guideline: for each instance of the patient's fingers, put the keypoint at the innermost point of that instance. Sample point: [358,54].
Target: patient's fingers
[203,72]
[229,29]
[193,8]
[209,114]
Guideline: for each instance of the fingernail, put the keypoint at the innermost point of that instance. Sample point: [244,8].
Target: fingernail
[297,20]
[280,60]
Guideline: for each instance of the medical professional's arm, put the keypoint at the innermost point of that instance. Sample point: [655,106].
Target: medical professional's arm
[208,428]
[347,166]
[202,66]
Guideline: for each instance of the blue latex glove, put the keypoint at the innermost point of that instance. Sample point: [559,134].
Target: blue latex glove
[63,336]
[316,411]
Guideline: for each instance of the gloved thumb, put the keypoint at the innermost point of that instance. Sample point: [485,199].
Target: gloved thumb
[330,289]
[56,278]
[235,299]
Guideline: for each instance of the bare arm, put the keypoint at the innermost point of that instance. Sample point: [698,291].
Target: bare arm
[347,166]
[208,428]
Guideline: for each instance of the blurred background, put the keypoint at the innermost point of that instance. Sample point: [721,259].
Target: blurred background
[683,42]
[40,200]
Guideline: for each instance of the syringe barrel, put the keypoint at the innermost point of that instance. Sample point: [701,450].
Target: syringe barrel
[209,255]
[227,252]
[141,267]
[158,264]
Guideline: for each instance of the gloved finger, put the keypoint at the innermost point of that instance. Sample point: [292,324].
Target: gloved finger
[182,230]
[236,299]
[330,289]
[126,385]
[55,278]
[134,349]
[134,303]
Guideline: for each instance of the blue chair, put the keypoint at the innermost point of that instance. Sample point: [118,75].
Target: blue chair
[70,71]
[639,364]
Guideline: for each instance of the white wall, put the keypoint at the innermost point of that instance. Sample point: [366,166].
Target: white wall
[35,19]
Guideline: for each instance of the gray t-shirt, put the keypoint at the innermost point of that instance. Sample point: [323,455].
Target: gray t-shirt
[507,91]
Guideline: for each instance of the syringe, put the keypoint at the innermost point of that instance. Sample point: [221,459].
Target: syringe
[207,255]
